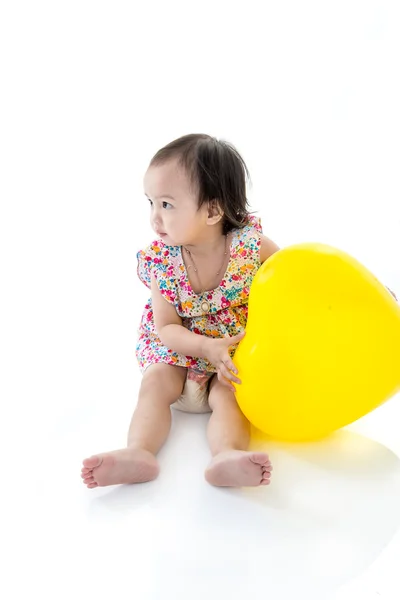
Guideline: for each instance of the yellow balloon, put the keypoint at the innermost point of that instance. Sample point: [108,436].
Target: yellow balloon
[322,344]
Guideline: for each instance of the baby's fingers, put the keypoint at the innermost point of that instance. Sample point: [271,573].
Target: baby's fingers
[231,367]
[225,382]
[226,372]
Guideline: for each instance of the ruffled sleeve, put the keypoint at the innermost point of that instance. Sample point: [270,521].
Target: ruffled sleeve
[156,260]
[249,236]
[254,223]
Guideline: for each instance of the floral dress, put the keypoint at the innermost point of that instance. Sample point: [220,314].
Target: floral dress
[228,302]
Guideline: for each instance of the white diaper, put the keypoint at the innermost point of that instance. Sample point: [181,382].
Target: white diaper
[194,397]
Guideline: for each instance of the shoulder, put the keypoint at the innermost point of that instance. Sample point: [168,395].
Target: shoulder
[268,248]
[253,229]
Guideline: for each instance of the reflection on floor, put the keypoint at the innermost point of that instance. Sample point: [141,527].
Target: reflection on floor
[327,527]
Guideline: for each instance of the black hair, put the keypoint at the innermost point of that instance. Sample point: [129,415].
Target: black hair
[215,170]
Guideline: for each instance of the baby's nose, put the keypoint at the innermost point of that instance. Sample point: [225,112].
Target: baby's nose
[156,223]
[155,215]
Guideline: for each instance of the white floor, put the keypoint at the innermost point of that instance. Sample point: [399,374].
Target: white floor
[327,527]
[308,93]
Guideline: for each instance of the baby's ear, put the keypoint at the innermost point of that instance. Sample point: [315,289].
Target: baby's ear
[215,212]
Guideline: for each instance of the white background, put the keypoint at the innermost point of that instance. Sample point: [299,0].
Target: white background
[309,94]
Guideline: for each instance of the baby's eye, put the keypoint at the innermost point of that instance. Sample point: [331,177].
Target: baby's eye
[150,201]
[167,205]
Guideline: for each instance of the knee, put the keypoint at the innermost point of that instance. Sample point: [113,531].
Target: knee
[220,395]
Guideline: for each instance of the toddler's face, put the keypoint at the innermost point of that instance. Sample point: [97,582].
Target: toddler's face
[174,215]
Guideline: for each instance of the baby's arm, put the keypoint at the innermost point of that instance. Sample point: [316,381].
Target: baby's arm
[170,329]
[268,247]
[175,336]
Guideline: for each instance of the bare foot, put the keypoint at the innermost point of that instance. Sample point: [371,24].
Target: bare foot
[236,468]
[121,466]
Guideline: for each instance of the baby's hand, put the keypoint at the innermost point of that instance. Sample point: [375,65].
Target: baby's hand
[217,352]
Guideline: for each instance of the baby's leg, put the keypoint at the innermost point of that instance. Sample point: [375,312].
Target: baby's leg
[229,436]
[161,386]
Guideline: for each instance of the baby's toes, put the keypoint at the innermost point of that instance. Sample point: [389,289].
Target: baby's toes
[89,480]
[92,462]
[260,458]
[266,475]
